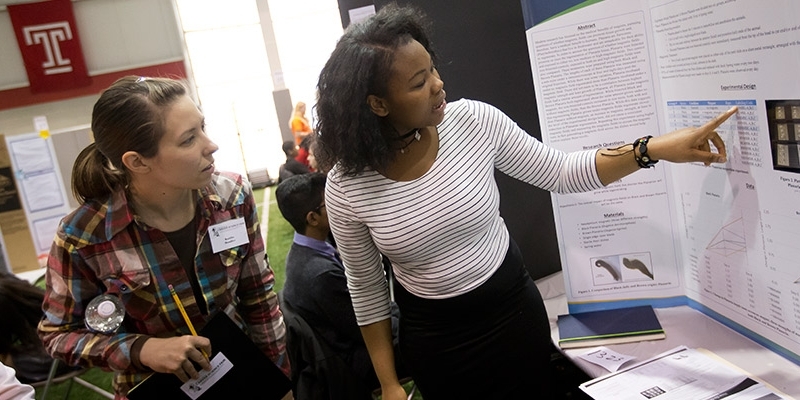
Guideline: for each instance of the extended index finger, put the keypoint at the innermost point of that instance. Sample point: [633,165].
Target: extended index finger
[719,119]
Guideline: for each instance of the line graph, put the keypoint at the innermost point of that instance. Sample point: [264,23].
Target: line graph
[729,240]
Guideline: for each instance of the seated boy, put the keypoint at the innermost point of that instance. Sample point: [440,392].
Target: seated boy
[316,287]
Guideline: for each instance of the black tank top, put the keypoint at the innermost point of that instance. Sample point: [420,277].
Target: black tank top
[184,243]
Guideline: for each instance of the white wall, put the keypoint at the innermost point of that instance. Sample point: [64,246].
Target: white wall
[306,32]
[233,69]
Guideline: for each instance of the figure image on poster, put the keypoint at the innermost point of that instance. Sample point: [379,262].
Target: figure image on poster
[636,264]
[619,268]
[611,269]
[783,122]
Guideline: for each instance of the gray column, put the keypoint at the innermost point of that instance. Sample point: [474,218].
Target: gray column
[280,94]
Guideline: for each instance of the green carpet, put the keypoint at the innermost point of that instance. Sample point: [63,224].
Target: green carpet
[279,238]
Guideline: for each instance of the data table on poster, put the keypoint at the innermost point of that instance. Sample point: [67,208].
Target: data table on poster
[740,131]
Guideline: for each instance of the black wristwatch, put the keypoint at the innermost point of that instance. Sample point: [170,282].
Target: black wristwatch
[643,159]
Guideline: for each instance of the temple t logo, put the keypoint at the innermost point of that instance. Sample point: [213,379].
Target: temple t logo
[50,36]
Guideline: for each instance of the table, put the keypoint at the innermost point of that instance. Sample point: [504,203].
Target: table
[684,326]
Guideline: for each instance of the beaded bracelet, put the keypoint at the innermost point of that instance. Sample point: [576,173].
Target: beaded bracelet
[643,159]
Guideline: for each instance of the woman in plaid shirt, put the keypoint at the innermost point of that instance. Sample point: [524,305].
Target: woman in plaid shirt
[151,205]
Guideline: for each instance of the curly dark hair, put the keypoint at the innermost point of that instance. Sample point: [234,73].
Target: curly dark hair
[348,132]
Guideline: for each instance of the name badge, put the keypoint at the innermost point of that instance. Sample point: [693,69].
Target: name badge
[228,234]
[220,365]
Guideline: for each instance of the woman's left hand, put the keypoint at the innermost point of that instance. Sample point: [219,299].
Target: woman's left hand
[692,144]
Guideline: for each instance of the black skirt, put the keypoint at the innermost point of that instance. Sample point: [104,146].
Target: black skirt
[490,343]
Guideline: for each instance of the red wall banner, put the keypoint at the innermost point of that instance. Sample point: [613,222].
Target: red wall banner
[48,39]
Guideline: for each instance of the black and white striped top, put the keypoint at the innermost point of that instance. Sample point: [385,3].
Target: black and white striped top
[443,231]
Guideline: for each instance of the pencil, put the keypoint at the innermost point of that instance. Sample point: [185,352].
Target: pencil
[185,317]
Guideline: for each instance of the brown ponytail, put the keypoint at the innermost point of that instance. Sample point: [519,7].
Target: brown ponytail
[93,177]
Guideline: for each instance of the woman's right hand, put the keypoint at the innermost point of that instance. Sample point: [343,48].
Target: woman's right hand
[393,392]
[175,355]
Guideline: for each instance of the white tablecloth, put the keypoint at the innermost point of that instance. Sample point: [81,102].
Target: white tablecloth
[684,326]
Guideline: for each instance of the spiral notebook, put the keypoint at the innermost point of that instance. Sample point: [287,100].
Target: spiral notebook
[246,372]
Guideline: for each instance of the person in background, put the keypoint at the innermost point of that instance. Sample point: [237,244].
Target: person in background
[291,167]
[316,287]
[301,129]
[312,158]
[11,388]
[413,178]
[303,150]
[150,198]
[298,123]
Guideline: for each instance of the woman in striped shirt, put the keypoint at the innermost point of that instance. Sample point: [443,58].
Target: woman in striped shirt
[413,178]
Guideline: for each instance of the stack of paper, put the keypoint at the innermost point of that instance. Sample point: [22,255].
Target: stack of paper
[679,374]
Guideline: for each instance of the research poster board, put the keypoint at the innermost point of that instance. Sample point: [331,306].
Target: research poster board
[18,248]
[41,189]
[723,238]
